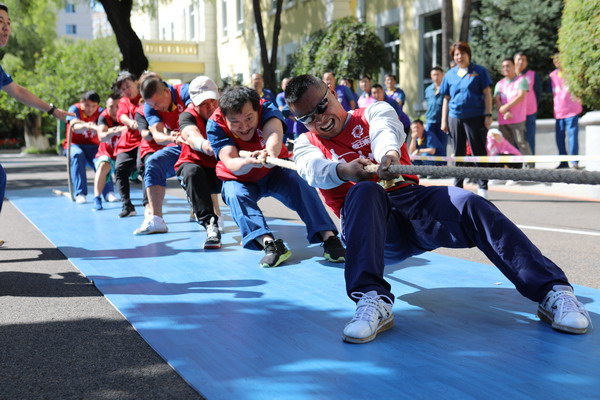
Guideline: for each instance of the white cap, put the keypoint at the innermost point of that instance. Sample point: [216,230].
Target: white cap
[203,88]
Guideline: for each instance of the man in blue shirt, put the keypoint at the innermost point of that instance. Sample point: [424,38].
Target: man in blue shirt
[423,143]
[344,94]
[433,115]
[258,83]
[18,92]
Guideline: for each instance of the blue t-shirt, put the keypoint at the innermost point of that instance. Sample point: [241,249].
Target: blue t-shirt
[434,105]
[218,137]
[153,117]
[280,100]
[398,94]
[466,93]
[345,96]
[5,79]
[75,110]
[431,141]
[268,95]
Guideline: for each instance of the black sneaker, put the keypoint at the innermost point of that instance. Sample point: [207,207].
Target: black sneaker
[213,236]
[127,211]
[334,250]
[275,253]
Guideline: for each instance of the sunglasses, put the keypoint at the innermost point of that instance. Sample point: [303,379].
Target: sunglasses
[319,109]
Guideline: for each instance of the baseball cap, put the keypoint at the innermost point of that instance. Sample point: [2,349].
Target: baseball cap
[203,88]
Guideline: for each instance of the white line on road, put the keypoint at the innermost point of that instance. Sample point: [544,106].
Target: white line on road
[539,228]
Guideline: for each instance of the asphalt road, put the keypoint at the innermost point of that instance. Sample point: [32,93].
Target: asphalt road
[61,339]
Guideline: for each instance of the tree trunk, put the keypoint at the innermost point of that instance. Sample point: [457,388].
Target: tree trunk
[118,13]
[447,31]
[465,20]
[34,138]
[269,65]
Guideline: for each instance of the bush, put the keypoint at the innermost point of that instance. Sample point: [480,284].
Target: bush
[578,40]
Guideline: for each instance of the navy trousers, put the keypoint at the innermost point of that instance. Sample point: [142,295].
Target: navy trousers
[415,219]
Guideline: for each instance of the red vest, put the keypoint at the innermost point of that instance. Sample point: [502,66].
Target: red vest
[147,147]
[108,148]
[352,143]
[171,118]
[131,138]
[256,143]
[89,136]
[189,155]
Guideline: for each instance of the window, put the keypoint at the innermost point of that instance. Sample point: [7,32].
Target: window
[239,5]
[192,21]
[432,45]
[224,17]
[70,8]
[71,29]
[172,31]
[391,41]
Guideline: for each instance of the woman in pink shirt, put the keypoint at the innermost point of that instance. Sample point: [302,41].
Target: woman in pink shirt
[566,112]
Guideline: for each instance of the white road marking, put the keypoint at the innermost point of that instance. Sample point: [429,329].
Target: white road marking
[539,228]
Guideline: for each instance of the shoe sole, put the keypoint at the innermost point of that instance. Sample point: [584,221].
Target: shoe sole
[333,260]
[131,214]
[387,324]
[283,257]
[212,246]
[544,316]
[139,233]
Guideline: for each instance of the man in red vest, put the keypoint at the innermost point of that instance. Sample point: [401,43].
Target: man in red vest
[390,212]
[244,121]
[196,165]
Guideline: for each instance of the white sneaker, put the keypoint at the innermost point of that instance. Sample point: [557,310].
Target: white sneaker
[561,308]
[483,193]
[373,315]
[111,197]
[153,224]
[510,182]
[80,199]
[213,236]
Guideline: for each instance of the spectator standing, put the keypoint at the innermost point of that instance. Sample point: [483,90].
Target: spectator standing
[533,96]
[344,94]
[510,98]
[467,106]
[566,112]
[365,98]
[433,115]
[258,83]
[392,91]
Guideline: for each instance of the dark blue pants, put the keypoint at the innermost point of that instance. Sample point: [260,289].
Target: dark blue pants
[571,127]
[286,186]
[82,155]
[415,219]
[530,129]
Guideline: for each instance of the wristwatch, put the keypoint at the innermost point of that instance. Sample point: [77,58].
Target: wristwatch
[487,115]
[51,110]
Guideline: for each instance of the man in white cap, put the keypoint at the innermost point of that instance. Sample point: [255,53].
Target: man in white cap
[196,165]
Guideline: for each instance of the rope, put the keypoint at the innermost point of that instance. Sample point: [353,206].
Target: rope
[530,175]
[506,158]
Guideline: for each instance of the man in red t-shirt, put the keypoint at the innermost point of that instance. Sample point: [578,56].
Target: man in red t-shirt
[389,213]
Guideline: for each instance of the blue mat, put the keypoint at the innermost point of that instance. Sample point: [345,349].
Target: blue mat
[236,331]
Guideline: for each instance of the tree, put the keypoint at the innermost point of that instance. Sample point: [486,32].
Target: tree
[447,31]
[347,47]
[269,64]
[579,52]
[118,13]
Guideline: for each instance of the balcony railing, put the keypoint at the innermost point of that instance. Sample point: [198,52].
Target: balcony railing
[171,48]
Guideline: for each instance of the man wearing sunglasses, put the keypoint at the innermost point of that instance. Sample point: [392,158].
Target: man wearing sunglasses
[244,121]
[393,213]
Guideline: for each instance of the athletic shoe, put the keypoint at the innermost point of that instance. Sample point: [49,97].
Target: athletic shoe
[561,308]
[373,315]
[275,253]
[80,199]
[128,210]
[154,224]
[333,250]
[111,197]
[213,236]
[97,203]
[483,193]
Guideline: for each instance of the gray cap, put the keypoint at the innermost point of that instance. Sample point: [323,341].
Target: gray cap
[203,88]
